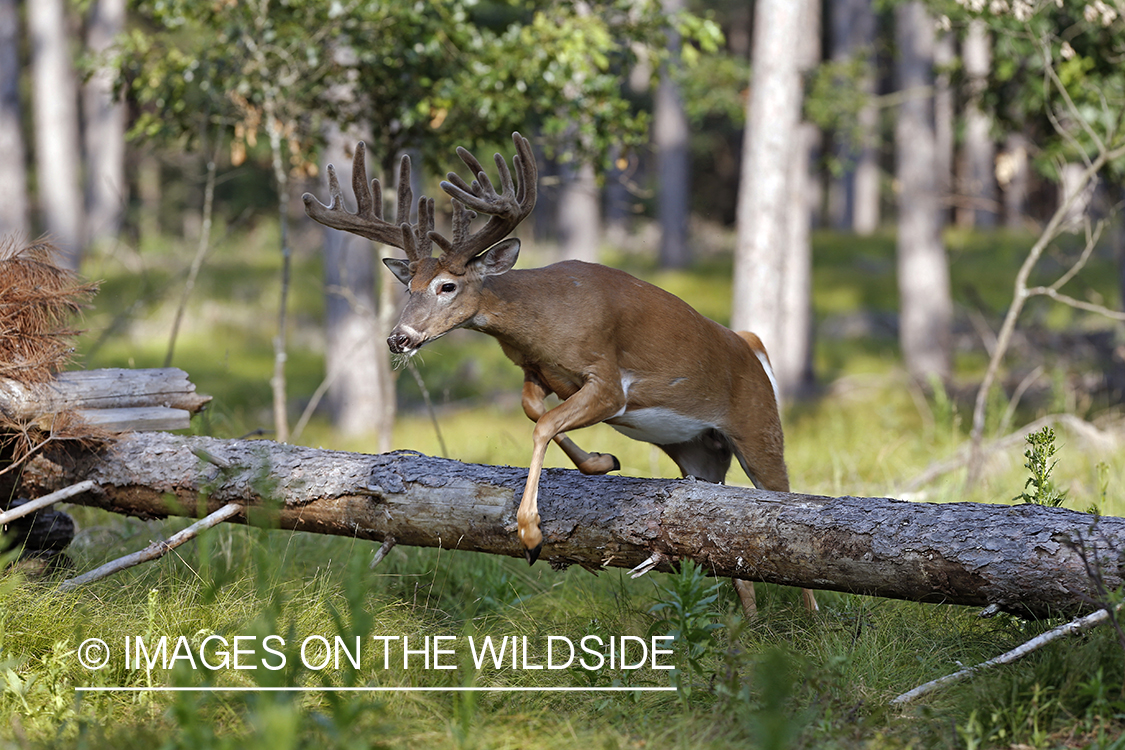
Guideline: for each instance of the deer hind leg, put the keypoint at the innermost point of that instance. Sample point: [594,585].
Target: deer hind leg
[534,407]
[708,458]
[592,403]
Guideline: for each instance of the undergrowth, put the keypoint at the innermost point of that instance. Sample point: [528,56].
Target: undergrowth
[787,680]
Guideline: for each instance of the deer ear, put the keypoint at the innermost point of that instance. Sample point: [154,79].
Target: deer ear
[400,268]
[497,259]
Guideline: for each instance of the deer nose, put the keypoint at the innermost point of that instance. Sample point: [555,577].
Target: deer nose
[399,342]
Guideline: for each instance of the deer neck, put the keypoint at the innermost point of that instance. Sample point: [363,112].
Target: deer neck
[513,308]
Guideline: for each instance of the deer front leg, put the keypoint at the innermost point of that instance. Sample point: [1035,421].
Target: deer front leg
[534,393]
[594,402]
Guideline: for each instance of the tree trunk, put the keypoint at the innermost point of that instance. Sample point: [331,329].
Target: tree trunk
[579,213]
[670,134]
[793,361]
[352,335]
[977,192]
[772,113]
[925,303]
[944,56]
[13,168]
[104,128]
[854,195]
[1018,558]
[57,157]
[1014,176]
[1070,182]
[388,312]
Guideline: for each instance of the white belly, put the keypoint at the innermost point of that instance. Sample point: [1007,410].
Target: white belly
[658,425]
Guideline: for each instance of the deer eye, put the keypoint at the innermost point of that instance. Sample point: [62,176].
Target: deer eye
[448,287]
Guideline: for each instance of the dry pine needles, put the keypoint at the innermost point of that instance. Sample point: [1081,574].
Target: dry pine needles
[38,302]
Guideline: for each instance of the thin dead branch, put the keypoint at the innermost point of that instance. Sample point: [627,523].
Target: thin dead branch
[387,545]
[47,500]
[155,550]
[1022,292]
[1073,627]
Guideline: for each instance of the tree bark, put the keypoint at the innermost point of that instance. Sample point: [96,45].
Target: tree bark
[1018,558]
[944,56]
[1014,176]
[579,213]
[13,166]
[104,128]
[764,202]
[925,300]
[977,194]
[793,361]
[670,136]
[354,343]
[854,195]
[57,157]
[1071,183]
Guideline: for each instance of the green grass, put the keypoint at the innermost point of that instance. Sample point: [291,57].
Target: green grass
[788,680]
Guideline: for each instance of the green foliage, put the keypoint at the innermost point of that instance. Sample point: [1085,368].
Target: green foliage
[1039,454]
[424,76]
[1055,75]
[686,609]
[835,97]
[44,694]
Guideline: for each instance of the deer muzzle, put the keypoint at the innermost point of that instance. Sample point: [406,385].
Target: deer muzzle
[401,343]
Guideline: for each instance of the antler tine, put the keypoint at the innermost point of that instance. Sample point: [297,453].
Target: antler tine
[506,187]
[506,209]
[524,161]
[462,218]
[376,198]
[405,194]
[409,241]
[368,220]
[422,231]
[421,247]
[368,198]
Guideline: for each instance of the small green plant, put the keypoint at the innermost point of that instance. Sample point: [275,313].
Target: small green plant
[1040,450]
[43,691]
[687,605]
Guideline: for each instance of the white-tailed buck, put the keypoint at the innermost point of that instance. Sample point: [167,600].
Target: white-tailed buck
[614,348]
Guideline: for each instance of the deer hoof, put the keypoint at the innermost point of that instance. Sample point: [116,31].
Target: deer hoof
[600,466]
[533,554]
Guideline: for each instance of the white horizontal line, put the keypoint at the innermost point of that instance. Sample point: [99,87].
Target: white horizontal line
[502,689]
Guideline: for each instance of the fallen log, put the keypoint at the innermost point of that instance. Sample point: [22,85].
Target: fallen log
[113,400]
[1018,558]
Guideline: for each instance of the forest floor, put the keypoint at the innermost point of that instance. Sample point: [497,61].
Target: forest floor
[789,679]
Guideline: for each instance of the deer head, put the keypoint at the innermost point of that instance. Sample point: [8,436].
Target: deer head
[444,292]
